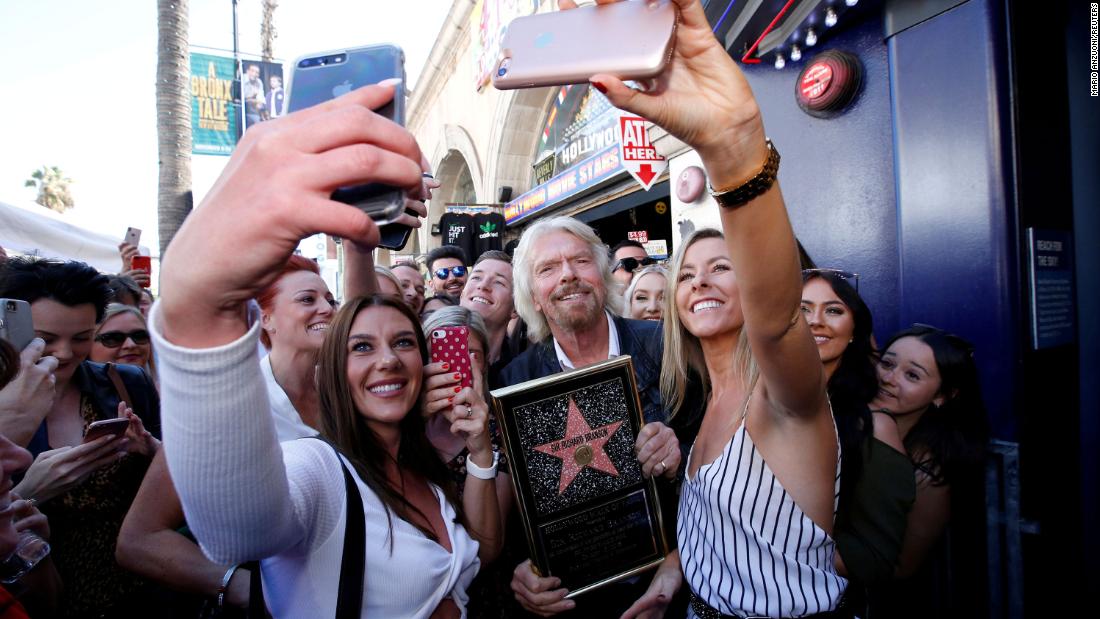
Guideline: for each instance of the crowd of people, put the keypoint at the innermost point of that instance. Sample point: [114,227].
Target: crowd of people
[319,463]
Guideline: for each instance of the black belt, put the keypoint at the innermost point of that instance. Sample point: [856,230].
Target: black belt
[706,611]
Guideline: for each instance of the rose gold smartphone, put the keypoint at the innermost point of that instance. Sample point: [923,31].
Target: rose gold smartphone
[631,40]
[104,427]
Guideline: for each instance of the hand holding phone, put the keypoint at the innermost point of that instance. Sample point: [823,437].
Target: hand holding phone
[133,236]
[103,427]
[142,263]
[452,345]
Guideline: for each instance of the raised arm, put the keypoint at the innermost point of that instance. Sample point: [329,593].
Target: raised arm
[219,436]
[150,545]
[703,99]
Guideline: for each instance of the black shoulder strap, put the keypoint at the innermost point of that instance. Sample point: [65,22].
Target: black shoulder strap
[349,603]
[349,600]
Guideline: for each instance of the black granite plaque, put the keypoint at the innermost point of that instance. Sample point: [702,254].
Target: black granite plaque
[590,515]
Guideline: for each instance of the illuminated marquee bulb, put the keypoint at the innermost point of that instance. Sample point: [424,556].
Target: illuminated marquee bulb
[830,17]
[796,53]
[780,62]
[811,38]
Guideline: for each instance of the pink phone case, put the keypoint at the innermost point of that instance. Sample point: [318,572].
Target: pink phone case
[630,40]
[451,345]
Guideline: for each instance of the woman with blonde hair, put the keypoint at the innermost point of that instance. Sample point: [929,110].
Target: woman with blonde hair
[645,296]
[123,337]
[764,469]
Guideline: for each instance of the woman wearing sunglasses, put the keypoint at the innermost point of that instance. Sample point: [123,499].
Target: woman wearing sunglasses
[876,484]
[122,337]
[645,296]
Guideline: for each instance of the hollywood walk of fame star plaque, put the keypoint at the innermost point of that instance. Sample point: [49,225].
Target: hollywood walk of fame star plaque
[590,515]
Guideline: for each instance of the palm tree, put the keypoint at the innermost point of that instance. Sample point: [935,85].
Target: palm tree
[267,30]
[53,188]
[174,199]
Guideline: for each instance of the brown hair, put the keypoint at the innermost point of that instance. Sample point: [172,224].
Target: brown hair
[493,254]
[345,427]
[266,297]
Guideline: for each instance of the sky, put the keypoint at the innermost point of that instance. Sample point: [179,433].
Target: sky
[77,87]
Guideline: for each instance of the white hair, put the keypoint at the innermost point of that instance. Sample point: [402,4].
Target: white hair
[537,327]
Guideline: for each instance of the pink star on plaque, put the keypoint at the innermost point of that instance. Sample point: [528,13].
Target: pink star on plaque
[580,447]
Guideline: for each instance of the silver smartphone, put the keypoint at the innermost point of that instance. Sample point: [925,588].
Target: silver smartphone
[316,78]
[16,325]
[630,40]
[133,236]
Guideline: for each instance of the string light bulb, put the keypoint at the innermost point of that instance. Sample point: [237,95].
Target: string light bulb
[811,37]
[830,17]
[851,2]
[780,62]
[796,53]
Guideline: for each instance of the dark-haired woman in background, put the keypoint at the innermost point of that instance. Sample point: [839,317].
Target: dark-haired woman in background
[84,488]
[876,488]
[928,382]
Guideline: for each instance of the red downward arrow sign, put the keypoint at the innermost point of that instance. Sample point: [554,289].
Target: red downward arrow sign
[646,173]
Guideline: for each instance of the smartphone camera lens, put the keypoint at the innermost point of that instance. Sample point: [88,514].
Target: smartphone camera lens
[10,306]
[502,70]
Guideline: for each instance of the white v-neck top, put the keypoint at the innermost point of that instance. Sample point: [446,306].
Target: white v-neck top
[745,547]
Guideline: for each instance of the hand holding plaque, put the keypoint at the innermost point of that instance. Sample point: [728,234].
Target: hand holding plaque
[589,509]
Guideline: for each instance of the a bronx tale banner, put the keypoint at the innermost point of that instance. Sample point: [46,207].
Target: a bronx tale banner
[215,113]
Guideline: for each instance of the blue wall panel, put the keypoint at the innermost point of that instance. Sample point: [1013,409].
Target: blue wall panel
[838,174]
[956,231]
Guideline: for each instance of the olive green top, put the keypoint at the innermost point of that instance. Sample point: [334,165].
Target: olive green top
[870,524]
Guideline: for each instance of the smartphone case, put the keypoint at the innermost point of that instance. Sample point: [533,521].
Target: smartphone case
[451,344]
[630,40]
[105,427]
[16,324]
[311,84]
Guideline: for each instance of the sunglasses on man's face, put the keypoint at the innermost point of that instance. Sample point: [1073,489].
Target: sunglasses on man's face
[630,264]
[459,271]
[114,339]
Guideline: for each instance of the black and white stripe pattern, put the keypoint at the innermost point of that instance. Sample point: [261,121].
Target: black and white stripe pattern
[745,546]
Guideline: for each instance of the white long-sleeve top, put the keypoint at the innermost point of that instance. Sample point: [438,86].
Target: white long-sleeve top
[246,497]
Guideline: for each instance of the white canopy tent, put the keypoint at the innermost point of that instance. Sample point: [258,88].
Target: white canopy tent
[37,231]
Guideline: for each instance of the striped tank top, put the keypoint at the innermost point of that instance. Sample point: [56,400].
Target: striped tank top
[745,546]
